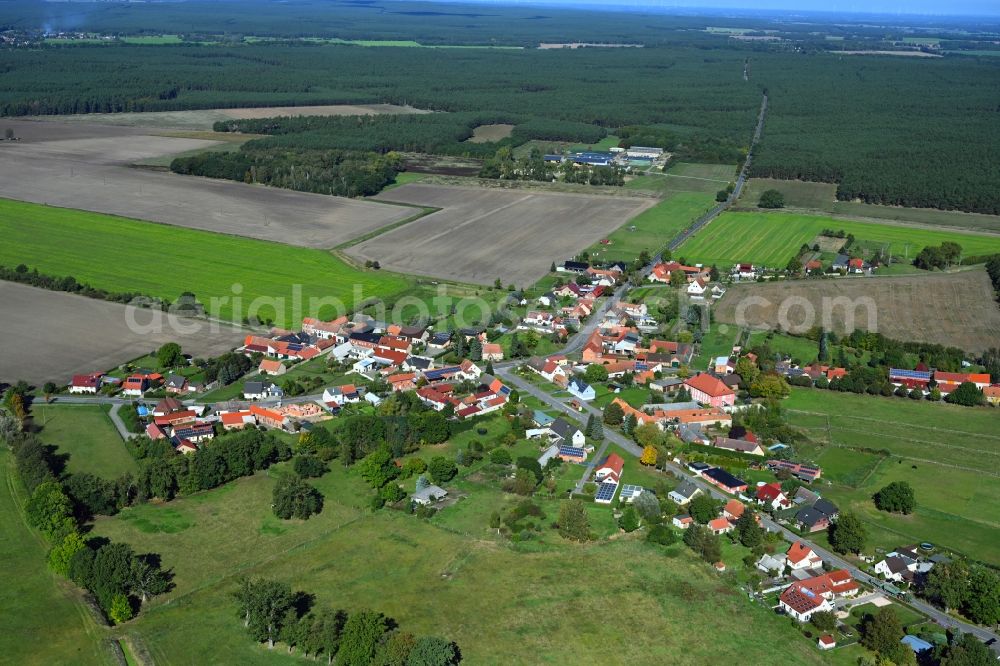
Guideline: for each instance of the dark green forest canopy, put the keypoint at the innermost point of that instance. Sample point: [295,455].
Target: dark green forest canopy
[900,131]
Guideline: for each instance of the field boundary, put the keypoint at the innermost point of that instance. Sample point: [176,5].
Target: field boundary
[886,221]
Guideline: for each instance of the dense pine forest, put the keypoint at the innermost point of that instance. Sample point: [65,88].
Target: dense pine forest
[865,123]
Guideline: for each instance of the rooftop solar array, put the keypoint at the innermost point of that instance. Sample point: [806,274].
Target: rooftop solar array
[909,374]
[629,491]
[606,492]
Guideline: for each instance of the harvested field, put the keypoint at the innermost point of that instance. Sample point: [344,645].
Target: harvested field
[72,334]
[483,234]
[955,309]
[205,118]
[87,167]
[490,133]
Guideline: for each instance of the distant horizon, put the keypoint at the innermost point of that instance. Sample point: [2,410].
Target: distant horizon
[960,9]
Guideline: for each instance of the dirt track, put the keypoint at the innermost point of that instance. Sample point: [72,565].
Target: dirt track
[956,310]
[50,335]
[482,234]
[87,167]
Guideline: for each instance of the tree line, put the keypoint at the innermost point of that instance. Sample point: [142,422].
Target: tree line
[119,579]
[31,276]
[273,613]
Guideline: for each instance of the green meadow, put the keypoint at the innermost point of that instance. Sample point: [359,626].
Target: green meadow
[654,227]
[543,602]
[949,454]
[124,255]
[85,434]
[773,238]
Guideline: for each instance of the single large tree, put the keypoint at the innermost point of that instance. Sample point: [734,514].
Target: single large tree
[613,414]
[703,508]
[897,497]
[170,355]
[882,631]
[573,521]
[432,651]
[847,534]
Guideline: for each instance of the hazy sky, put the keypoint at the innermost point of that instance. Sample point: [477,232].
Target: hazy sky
[936,7]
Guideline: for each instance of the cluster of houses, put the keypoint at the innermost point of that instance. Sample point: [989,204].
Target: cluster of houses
[922,378]
[185,427]
[135,384]
[698,279]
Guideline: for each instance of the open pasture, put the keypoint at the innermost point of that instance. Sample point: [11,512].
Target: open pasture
[771,239]
[501,604]
[89,167]
[490,133]
[654,227]
[949,454]
[952,309]
[822,197]
[123,255]
[203,119]
[72,334]
[483,234]
[86,436]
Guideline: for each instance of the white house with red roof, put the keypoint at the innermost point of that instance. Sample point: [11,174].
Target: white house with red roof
[804,597]
[696,289]
[86,383]
[801,556]
[720,525]
[771,495]
[709,390]
[610,469]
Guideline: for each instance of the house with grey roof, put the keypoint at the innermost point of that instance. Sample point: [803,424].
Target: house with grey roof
[685,492]
[429,494]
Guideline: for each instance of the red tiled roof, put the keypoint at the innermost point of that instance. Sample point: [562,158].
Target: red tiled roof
[718,524]
[769,492]
[734,508]
[797,552]
[90,381]
[615,463]
[709,385]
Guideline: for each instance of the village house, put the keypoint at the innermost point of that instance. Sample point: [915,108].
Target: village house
[237,420]
[257,390]
[341,395]
[176,384]
[609,469]
[581,389]
[818,516]
[86,383]
[684,492]
[682,521]
[719,525]
[772,564]
[743,272]
[733,510]
[268,417]
[803,598]
[800,556]
[739,445]
[566,433]
[709,390]
[771,495]
[492,352]
[136,385]
[429,494]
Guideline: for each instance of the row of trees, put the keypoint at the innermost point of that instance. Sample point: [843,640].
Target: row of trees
[119,579]
[272,613]
[21,273]
[972,589]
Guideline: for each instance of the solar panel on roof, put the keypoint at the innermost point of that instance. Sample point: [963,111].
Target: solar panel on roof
[606,492]
[910,374]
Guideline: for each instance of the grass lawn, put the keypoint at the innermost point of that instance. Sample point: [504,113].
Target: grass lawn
[949,454]
[822,197]
[685,177]
[772,238]
[635,396]
[44,621]
[446,577]
[717,341]
[798,348]
[119,254]
[86,435]
[654,228]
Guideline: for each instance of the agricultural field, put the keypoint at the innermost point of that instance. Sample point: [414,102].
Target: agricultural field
[490,133]
[771,239]
[45,620]
[85,435]
[952,309]
[203,119]
[653,228]
[124,255]
[684,177]
[949,454]
[81,334]
[483,234]
[822,197]
[88,167]
[449,577]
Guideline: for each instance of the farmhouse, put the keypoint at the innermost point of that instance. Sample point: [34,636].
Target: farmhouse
[911,379]
[733,510]
[429,494]
[739,445]
[176,384]
[710,390]
[136,385]
[272,367]
[956,379]
[581,389]
[236,420]
[261,390]
[803,598]
[818,516]
[86,383]
[564,432]
[720,525]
